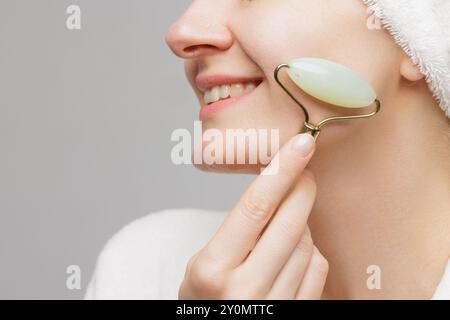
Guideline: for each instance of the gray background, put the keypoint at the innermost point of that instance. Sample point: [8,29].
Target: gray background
[85,124]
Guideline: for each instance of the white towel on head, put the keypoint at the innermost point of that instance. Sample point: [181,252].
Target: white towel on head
[422,29]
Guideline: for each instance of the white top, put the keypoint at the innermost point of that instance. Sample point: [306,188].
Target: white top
[147,258]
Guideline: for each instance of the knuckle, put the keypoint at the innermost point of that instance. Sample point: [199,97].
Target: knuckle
[305,245]
[189,265]
[319,264]
[289,229]
[256,207]
[206,276]
[240,285]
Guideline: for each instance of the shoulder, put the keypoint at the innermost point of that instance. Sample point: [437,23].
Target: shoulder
[146,259]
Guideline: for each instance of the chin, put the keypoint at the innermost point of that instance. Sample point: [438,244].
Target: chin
[240,161]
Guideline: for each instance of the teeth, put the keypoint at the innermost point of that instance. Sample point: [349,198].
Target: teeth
[250,86]
[237,90]
[212,95]
[227,91]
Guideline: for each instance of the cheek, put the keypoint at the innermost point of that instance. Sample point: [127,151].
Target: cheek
[274,32]
[268,36]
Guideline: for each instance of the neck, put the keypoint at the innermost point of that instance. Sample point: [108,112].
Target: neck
[383,201]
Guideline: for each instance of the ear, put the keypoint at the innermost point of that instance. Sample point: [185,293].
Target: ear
[409,70]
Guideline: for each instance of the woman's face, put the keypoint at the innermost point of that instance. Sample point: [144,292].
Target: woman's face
[231,48]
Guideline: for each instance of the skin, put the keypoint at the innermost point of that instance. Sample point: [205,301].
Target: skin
[379,186]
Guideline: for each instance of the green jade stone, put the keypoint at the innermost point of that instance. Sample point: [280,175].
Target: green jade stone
[331,83]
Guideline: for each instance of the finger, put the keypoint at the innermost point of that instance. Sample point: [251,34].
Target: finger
[288,281]
[241,228]
[284,232]
[315,278]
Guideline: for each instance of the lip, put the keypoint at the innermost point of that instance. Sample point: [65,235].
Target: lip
[210,110]
[206,82]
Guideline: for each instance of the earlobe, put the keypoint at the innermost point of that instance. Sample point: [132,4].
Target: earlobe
[409,70]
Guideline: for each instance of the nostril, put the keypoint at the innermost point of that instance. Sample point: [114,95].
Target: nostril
[197,48]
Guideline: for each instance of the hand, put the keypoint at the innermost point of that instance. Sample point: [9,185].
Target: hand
[264,249]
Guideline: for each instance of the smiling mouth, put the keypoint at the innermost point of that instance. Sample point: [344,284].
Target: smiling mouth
[228,91]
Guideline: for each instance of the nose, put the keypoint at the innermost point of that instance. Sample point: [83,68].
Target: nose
[200,31]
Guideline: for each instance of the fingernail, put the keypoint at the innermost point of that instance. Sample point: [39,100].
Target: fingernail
[303,144]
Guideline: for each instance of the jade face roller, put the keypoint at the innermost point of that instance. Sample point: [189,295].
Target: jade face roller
[329,82]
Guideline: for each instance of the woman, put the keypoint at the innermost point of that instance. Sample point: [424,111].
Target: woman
[362,214]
